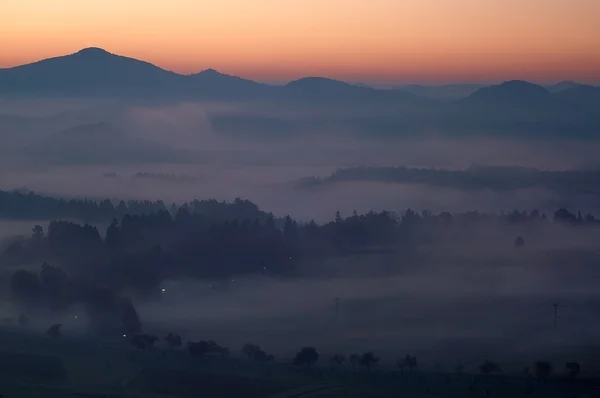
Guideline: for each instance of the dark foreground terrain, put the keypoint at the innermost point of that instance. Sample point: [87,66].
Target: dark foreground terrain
[44,367]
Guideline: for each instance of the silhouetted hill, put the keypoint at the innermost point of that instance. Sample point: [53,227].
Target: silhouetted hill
[445,91]
[518,109]
[312,89]
[100,143]
[587,96]
[564,85]
[216,85]
[511,92]
[90,72]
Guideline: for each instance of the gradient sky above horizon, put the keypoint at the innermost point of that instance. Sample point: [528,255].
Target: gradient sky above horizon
[383,41]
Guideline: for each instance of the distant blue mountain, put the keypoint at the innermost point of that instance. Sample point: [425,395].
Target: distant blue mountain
[101,143]
[512,107]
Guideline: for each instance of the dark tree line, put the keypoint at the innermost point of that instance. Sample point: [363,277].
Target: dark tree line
[52,289]
[140,251]
[17,205]
[474,178]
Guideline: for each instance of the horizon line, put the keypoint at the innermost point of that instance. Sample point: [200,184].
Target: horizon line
[278,82]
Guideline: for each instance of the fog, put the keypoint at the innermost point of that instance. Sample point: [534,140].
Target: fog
[227,162]
[471,298]
[474,296]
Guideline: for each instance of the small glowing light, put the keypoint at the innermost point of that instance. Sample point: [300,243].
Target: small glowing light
[75,316]
[290,257]
[163,290]
[124,335]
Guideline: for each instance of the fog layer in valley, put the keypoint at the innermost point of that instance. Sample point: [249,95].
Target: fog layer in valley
[475,296]
[453,303]
[93,148]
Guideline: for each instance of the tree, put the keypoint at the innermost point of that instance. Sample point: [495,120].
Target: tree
[338,359]
[54,286]
[112,235]
[202,348]
[543,369]
[25,289]
[573,369]
[37,234]
[199,349]
[173,340]
[354,360]
[143,341]
[262,357]
[519,242]
[489,367]
[250,350]
[409,361]
[54,330]
[368,359]
[307,356]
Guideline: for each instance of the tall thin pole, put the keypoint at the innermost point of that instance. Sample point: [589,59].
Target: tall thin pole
[555,305]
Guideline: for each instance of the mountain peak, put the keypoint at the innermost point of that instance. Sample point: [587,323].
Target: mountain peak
[511,91]
[93,51]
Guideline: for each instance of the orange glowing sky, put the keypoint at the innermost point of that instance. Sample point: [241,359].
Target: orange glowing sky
[359,40]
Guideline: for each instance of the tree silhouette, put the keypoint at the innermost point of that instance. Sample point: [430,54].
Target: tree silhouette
[203,348]
[519,242]
[354,360]
[409,361]
[143,341]
[262,357]
[54,330]
[307,356]
[573,369]
[25,289]
[37,234]
[173,340]
[543,369]
[198,349]
[338,359]
[368,359]
[489,367]
[250,350]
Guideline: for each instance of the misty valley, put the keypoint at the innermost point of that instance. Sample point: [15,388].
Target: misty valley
[168,235]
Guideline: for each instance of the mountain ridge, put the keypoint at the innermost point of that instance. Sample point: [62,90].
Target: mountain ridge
[95,72]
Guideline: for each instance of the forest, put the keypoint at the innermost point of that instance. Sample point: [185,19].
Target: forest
[211,240]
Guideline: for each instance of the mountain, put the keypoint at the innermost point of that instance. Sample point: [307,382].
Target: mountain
[321,89]
[586,96]
[94,72]
[511,92]
[564,85]
[91,72]
[100,143]
[442,92]
[518,109]
[216,85]
[311,88]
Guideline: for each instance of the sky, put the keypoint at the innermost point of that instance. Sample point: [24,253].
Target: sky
[377,41]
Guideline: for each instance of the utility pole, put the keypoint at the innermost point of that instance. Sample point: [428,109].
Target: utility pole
[555,305]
